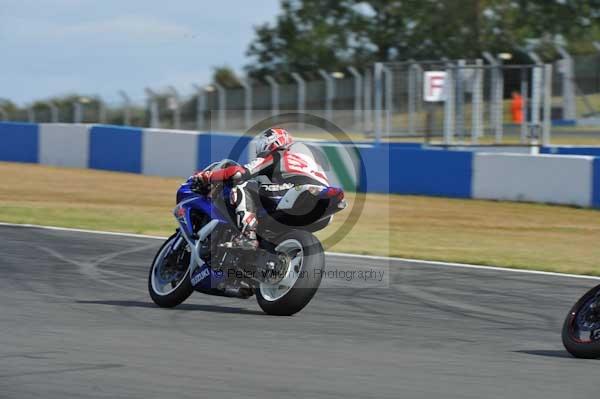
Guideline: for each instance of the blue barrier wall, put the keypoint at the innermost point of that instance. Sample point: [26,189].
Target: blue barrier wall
[596,184]
[569,150]
[405,146]
[116,148]
[213,148]
[376,169]
[406,170]
[19,142]
[431,172]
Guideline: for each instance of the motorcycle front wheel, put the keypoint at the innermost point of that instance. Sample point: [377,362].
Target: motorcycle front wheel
[581,329]
[301,279]
[169,281]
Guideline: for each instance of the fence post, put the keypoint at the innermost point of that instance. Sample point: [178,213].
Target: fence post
[174,106]
[53,112]
[153,107]
[200,105]
[449,95]
[536,88]
[247,86]
[413,73]
[477,100]
[30,114]
[547,104]
[389,104]
[126,108]
[329,93]
[301,99]
[497,96]
[358,85]
[568,84]
[77,112]
[222,104]
[378,85]
[499,128]
[368,113]
[101,111]
[274,94]
[597,45]
[535,57]
[493,87]
[460,99]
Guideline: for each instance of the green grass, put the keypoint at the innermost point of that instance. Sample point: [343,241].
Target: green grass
[533,236]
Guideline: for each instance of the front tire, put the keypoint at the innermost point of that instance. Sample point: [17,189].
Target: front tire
[303,276]
[158,284]
[581,329]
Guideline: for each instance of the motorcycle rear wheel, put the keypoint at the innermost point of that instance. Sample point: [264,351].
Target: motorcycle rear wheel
[302,278]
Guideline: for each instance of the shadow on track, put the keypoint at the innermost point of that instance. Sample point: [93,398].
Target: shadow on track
[547,353]
[184,306]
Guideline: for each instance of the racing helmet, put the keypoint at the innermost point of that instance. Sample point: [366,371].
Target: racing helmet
[273,139]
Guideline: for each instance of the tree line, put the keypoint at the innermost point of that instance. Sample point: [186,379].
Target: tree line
[333,34]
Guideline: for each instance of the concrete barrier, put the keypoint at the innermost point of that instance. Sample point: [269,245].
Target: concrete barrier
[543,178]
[169,153]
[384,168]
[62,144]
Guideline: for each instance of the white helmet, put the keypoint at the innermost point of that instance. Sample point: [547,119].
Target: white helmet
[272,140]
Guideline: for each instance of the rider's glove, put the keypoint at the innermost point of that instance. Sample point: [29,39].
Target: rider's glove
[203,177]
[201,180]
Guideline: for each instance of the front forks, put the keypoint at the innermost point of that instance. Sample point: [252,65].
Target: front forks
[195,245]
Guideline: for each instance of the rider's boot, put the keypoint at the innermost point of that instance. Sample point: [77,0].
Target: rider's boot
[247,223]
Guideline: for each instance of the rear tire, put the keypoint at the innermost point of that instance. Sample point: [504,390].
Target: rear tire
[309,278]
[580,349]
[183,288]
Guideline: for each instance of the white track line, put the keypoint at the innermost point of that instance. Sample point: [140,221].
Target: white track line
[463,265]
[106,233]
[341,254]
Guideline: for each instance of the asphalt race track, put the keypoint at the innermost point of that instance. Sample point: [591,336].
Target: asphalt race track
[76,322]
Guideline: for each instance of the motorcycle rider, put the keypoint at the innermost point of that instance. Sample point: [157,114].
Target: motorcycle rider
[283,167]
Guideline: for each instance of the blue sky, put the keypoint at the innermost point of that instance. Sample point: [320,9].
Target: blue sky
[52,47]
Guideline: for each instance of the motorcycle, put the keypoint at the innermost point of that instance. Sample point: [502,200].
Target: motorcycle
[581,329]
[284,272]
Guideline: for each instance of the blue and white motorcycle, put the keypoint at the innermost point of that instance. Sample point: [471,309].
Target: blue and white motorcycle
[284,273]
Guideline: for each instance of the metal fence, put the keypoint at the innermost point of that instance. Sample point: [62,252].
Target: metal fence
[462,100]
[498,103]
[584,76]
[387,100]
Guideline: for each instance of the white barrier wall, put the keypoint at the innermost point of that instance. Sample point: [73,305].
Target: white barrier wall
[558,179]
[170,153]
[63,144]
[487,149]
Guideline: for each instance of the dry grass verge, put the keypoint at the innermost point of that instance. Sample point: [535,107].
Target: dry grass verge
[532,236]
